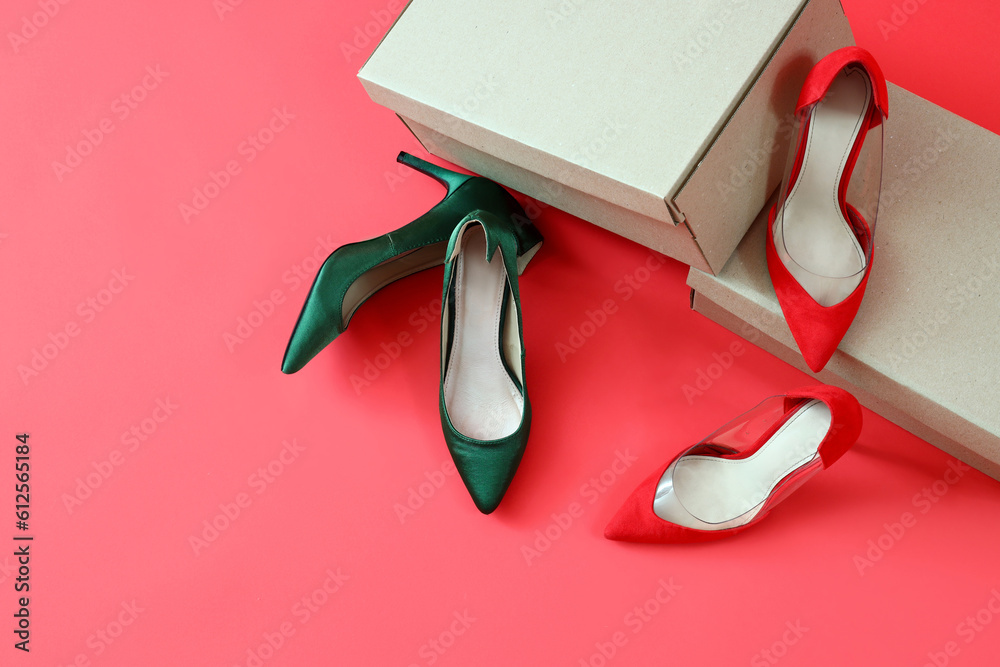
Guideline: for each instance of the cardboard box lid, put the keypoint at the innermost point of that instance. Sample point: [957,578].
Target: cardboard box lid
[618,99]
[926,336]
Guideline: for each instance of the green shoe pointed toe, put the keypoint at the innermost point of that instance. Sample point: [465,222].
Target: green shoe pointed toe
[354,272]
[485,412]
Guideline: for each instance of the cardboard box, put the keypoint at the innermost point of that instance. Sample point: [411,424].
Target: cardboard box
[654,120]
[923,349]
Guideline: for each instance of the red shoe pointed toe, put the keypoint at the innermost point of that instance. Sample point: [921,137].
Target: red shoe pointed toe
[817,329]
[636,521]
[732,479]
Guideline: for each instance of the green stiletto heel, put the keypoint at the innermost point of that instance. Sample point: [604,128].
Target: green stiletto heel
[356,271]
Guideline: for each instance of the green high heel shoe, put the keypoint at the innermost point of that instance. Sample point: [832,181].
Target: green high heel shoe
[354,272]
[485,412]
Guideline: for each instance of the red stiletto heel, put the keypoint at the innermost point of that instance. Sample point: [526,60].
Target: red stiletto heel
[819,235]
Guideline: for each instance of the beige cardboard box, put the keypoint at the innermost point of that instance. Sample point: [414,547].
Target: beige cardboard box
[923,351]
[656,120]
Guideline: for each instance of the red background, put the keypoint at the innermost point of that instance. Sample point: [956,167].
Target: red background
[797,586]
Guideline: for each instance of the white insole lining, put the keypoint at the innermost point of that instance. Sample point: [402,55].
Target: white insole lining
[811,235]
[710,493]
[482,400]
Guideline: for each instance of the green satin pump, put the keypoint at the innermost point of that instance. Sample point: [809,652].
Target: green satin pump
[354,272]
[485,412]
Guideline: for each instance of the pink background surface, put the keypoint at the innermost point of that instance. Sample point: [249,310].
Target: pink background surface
[115,578]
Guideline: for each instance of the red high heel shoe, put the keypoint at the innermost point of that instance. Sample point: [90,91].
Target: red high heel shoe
[734,477]
[819,236]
